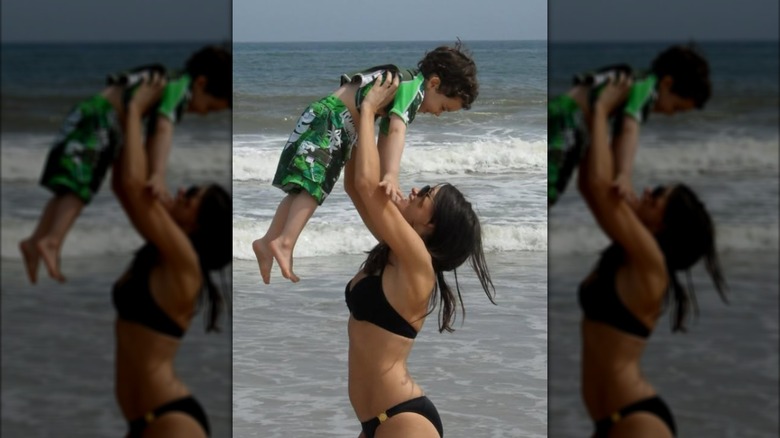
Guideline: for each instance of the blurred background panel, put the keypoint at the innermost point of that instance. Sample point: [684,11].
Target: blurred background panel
[721,378]
[57,340]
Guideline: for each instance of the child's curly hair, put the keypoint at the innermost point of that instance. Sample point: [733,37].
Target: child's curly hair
[690,71]
[456,70]
[216,64]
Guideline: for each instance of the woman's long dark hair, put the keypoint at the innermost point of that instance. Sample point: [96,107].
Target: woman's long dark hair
[456,237]
[212,241]
[686,236]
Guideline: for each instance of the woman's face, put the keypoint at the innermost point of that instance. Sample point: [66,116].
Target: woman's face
[185,207]
[417,209]
[651,206]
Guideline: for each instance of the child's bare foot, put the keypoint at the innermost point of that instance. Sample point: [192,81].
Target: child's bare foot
[30,256]
[283,255]
[264,259]
[49,251]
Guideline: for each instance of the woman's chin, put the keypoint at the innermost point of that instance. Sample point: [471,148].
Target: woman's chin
[402,203]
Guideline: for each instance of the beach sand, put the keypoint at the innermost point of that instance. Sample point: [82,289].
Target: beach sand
[720,379]
[488,378]
[58,353]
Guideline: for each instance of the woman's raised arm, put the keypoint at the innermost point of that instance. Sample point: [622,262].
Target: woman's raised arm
[386,220]
[147,213]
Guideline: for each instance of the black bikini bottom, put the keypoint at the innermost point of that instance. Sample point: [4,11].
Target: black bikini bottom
[188,405]
[654,405]
[419,405]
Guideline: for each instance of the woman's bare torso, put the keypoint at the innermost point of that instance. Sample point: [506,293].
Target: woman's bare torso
[378,374]
[145,377]
[610,369]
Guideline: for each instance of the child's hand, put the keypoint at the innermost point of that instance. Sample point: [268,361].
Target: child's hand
[148,93]
[156,185]
[622,185]
[392,190]
[614,93]
[381,93]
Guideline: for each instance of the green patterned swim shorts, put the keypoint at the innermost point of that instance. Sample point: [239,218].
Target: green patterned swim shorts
[84,150]
[566,142]
[317,150]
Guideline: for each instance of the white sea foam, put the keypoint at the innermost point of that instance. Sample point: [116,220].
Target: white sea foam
[24,158]
[255,161]
[713,154]
[84,239]
[582,239]
[339,238]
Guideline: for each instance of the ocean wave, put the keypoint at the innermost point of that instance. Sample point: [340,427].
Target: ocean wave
[332,239]
[731,238]
[489,155]
[84,239]
[724,154]
[23,159]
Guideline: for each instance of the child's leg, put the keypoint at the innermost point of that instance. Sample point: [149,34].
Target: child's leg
[563,144]
[46,240]
[74,169]
[64,209]
[301,210]
[265,259]
[311,163]
[29,246]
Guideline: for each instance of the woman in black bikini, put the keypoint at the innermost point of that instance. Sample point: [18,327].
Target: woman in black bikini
[665,231]
[156,298]
[433,231]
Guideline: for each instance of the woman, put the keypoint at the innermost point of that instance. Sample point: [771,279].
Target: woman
[156,298]
[433,231]
[665,231]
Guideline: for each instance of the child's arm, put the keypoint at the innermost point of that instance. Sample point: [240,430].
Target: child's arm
[147,214]
[349,187]
[158,145]
[391,148]
[159,149]
[624,148]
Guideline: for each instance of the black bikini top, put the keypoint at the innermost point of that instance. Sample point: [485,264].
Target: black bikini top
[599,299]
[366,302]
[133,299]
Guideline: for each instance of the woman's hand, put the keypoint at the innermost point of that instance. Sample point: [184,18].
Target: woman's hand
[148,93]
[614,93]
[381,93]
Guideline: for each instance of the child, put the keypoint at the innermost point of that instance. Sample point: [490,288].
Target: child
[91,135]
[320,145]
[678,81]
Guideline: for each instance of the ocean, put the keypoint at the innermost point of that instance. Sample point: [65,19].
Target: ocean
[489,377]
[57,340]
[721,378]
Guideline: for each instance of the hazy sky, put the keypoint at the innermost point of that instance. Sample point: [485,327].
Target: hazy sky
[111,20]
[670,20]
[388,20]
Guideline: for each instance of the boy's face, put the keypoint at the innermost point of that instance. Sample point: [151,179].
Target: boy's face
[435,102]
[203,102]
[670,103]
